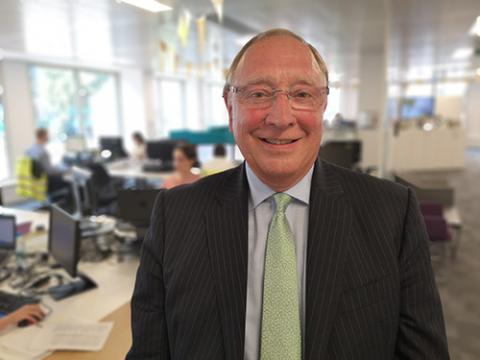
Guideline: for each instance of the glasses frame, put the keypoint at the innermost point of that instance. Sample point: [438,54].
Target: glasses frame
[268,103]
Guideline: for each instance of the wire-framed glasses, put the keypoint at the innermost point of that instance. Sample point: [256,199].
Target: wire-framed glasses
[304,97]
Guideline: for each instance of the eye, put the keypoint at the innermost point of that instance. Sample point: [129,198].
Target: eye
[258,94]
[302,94]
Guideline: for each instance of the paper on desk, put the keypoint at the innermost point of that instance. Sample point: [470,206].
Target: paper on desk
[7,353]
[14,345]
[72,336]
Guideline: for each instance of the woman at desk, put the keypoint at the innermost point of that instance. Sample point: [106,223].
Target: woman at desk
[184,161]
[139,150]
[26,315]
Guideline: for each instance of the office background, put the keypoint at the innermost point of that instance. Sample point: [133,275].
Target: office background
[404,77]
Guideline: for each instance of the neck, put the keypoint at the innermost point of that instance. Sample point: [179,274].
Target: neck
[280,185]
[185,172]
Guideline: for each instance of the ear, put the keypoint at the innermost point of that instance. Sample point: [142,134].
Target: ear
[228,104]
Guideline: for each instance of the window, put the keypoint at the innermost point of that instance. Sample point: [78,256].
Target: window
[74,103]
[98,105]
[171,102]
[4,171]
[216,112]
[333,106]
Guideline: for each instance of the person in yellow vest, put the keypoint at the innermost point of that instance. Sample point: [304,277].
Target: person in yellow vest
[39,154]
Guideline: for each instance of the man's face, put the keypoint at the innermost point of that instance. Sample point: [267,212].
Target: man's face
[279,143]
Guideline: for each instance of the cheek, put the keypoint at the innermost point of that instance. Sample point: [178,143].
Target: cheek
[247,120]
[310,124]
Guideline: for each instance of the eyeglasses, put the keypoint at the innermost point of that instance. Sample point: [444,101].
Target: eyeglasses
[303,97]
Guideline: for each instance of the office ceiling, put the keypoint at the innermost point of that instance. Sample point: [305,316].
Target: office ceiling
[412,33]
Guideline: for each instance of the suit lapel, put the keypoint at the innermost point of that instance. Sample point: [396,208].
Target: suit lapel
[328,234]
[227,232]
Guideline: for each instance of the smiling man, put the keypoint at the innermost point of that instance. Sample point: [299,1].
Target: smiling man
[286,256]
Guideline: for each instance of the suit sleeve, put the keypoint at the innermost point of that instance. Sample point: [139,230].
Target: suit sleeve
[149,328]
[421,328]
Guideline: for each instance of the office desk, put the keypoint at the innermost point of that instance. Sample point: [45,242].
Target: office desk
[132,169]
[38,218]
[117,345]
[115,286]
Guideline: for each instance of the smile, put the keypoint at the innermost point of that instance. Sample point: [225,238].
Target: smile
[278,141]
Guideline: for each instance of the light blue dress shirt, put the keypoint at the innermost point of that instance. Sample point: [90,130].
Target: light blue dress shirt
[40,153]
[260,211]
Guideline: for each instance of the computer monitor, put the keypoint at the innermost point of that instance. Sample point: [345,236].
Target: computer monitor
[344,153]
[114,144]
[64,240]
[161,150]
[135,206]
[64,247]
[7,236]
[7,232]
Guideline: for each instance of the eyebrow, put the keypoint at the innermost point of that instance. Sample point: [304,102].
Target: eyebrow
[270,82]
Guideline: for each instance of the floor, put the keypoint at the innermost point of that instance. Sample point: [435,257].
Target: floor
[459,279]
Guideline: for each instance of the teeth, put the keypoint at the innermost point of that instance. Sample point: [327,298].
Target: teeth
[277,141]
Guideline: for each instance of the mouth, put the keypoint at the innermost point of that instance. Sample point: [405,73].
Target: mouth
[274,141]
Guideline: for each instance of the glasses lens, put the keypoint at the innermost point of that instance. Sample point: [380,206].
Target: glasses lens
[301,98]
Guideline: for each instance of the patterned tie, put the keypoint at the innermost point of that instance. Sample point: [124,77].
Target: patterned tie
[281,338]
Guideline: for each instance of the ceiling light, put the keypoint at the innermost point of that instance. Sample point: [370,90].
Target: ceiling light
[462,53]
[475,30]
[478,72]
[149,5]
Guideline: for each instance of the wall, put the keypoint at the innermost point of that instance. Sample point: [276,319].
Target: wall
[132,100]
[448,106]
[472,114]
[19,117]
[372,99]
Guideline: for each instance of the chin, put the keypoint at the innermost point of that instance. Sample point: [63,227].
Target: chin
[280,170]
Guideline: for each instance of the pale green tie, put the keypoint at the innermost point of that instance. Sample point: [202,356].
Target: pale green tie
[281,338]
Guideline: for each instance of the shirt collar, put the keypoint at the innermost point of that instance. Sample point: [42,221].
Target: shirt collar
[259,192]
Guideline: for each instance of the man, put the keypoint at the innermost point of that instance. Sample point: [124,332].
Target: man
[39,153]
[336,266]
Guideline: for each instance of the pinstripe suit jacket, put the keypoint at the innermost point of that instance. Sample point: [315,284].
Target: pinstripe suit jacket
[370,291]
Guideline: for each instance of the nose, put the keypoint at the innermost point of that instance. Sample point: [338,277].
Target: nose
[280,113]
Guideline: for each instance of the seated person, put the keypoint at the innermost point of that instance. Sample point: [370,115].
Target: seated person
[184,159]
[139,150]
[39,152]
[219,162]
[32,313]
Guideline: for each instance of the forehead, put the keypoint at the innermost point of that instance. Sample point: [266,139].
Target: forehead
[279,59]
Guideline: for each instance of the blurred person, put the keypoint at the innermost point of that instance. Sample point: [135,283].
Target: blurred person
[139,150]
[219,162]
[184,160]
[286,256]
[32,313]
[40,154]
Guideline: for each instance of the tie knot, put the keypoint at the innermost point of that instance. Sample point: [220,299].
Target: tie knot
[281,200]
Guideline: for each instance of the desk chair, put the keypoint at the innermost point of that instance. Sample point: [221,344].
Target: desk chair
[438,230]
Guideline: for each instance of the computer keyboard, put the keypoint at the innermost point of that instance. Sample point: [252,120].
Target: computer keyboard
[10,302]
